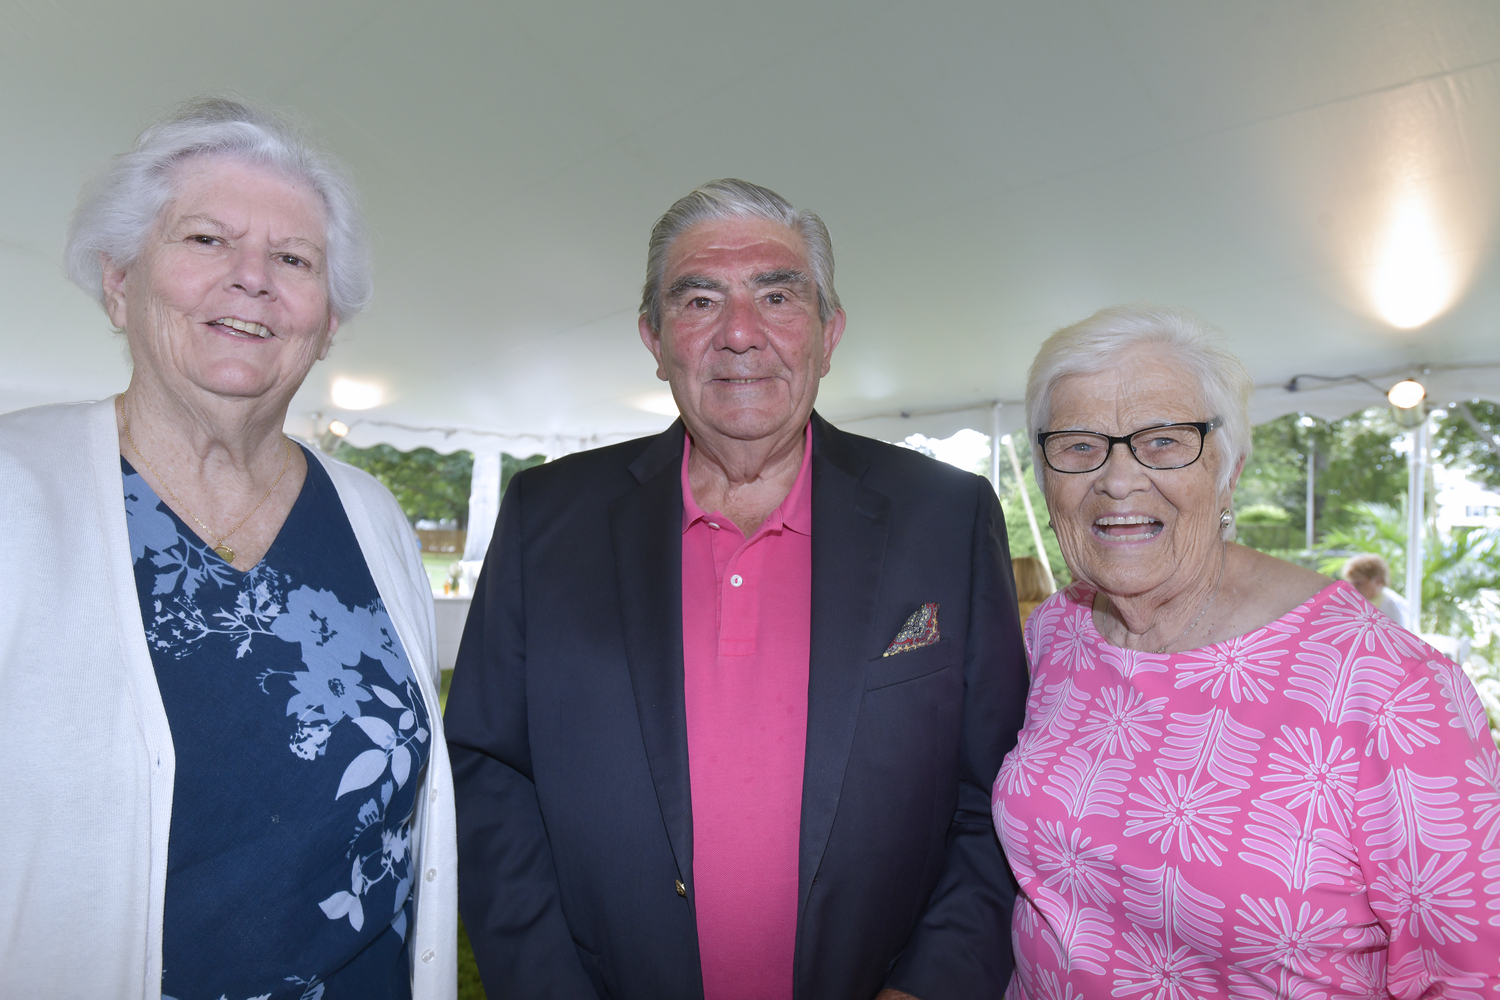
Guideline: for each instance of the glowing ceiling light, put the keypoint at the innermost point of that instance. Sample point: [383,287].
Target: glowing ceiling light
[351,395]
[1412,281]
[338,428]
[1405,395]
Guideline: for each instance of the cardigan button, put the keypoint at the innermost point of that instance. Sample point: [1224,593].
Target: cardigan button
[428,955]
[681,889]
[431,874]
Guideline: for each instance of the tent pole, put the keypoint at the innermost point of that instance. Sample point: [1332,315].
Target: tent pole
[1312,448]
[1036,532]
[1415,521]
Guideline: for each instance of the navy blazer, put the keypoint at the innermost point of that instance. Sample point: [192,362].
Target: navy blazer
[568,734]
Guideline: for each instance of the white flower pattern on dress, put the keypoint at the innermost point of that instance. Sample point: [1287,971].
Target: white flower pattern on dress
[333,639]
[1311,810]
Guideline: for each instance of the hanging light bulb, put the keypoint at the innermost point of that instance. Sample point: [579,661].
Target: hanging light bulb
[1406,402]
[1405,395]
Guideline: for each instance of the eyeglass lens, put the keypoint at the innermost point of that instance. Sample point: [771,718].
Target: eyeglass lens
[1169,447]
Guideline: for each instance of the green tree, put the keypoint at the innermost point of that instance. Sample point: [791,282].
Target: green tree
[1455,572]
[1018,531]
[1353,462]
[428,485]
[1455,442]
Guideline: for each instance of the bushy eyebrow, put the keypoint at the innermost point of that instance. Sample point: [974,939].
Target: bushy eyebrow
[782,276]
[691,282]
[702,282]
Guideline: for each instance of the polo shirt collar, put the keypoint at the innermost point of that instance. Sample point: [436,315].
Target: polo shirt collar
[795,512]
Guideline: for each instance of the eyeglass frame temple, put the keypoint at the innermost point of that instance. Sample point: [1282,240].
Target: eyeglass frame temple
[1203,427]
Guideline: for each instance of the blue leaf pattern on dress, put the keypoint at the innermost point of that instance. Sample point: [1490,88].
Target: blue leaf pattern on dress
[334,640]
[148,525]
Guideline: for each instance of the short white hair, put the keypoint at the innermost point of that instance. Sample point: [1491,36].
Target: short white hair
[730,198]
[118,210]
[1106,338]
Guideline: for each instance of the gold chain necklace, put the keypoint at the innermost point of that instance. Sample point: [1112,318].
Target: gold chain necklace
[223,551]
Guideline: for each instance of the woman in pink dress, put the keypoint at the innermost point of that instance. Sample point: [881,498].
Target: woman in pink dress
[1236,777]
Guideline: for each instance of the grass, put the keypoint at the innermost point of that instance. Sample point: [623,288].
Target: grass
[436,564]
[469,986]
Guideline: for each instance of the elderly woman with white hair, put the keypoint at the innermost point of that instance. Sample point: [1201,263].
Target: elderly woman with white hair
[227,774]
[1236,778]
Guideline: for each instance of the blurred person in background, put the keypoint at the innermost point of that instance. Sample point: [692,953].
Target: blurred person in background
[1033,584]
[228,774]
[1371,576]
[1236,778]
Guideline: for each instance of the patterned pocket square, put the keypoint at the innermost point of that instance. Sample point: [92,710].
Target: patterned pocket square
[921,629]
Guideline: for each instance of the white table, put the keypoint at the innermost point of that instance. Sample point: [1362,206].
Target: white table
[452,612]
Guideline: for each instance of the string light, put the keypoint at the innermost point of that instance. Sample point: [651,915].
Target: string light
[1407,394]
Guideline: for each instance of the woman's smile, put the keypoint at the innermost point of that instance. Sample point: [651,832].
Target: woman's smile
[1127,528]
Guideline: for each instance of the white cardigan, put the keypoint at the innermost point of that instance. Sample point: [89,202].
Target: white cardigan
[87,768]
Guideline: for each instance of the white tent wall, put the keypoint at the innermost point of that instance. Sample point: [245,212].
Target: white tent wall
[1319,179]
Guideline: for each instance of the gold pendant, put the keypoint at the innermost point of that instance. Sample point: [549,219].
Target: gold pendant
[224,552]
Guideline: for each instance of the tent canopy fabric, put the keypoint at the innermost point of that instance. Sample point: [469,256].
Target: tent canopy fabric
[1318,179]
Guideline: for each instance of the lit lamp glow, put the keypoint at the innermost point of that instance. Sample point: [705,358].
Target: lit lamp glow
[348,394]
[1405,395]
[338,428]
[1406,398]
[1412,283]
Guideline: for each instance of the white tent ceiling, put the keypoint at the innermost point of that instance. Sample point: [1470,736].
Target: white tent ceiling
[990,171]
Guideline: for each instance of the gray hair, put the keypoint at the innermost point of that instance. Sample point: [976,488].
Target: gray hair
[1110,335]
[118,210]
[735,199]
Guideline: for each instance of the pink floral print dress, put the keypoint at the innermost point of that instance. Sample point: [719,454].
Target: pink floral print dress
[1311,810]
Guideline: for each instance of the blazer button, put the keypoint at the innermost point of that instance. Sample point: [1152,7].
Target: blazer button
[681,889]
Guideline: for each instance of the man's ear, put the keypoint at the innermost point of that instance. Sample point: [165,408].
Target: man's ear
[115,304]
[652,339]
[833,332]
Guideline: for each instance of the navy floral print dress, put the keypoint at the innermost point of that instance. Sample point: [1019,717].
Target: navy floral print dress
[300,736]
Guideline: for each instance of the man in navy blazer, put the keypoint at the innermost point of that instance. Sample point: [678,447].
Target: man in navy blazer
[578,718]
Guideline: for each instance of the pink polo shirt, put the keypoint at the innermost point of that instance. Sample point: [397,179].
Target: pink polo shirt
[746,617]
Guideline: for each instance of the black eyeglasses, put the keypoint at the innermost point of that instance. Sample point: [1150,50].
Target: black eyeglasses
[1171,446]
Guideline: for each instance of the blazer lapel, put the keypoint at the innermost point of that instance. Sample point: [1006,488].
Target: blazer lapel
[850,522]
[646,524]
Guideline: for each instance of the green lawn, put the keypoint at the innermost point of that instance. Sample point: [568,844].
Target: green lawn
[436,564]
[469,986]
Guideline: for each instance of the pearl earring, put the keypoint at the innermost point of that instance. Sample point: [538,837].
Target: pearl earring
[1226,518]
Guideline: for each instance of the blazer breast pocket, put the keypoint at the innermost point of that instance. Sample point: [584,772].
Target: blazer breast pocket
[885,671]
